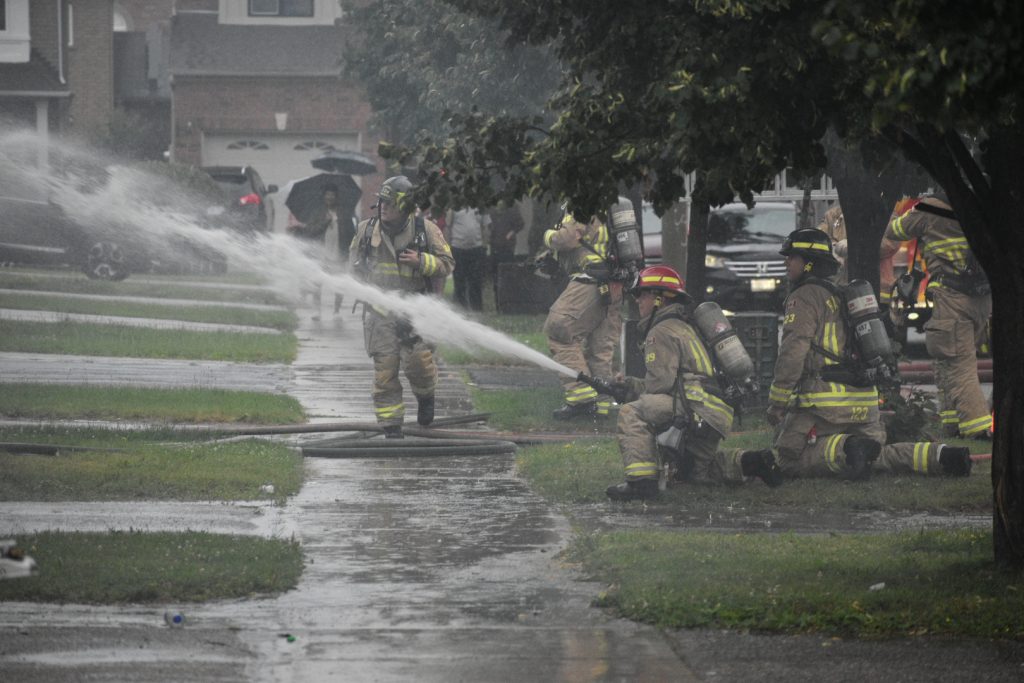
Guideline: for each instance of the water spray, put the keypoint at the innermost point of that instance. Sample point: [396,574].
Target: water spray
[105,194]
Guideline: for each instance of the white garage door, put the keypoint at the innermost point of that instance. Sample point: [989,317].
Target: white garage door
[278,158]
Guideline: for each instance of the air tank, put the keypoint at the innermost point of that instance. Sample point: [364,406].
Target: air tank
[723,341]
[871,339]
[625,234]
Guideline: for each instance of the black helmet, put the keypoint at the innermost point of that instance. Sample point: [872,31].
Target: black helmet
[393,190]
[811,243]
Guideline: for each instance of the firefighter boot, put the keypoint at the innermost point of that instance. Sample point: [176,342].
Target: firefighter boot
[861,453]
[633,489]
[425,410]
[572,411]
[393,432]
[955,461]
[761,464]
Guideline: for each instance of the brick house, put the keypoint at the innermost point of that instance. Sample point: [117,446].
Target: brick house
[259,82]
[56,65]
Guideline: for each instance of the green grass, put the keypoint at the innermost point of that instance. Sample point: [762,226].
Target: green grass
[153,568]
[137,403]
[139,342]
[529,410]
[280,320]
[142,470]
[167,288]
[936,582]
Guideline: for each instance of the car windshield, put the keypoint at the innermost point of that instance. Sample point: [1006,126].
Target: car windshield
[737,223]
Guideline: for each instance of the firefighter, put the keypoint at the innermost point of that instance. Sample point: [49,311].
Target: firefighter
[679,387]
[962,304]
[824,427]
[584,323]
[401,251]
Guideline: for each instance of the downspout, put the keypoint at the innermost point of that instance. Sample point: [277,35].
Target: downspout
[60,42]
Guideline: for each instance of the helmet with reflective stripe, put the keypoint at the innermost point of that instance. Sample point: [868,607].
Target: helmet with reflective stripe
[811,243]
[393,190]
[662,278]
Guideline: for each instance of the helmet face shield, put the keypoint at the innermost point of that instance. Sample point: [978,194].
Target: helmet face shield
[393,192]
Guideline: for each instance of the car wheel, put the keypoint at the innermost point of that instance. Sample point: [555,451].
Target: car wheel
[106,261]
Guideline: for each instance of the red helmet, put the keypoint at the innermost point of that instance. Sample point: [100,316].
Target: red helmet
[662,278]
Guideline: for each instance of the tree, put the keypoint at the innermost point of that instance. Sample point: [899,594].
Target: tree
[743,88]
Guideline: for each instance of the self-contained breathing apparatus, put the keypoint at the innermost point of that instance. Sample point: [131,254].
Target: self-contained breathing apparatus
[625,255]
[869,359]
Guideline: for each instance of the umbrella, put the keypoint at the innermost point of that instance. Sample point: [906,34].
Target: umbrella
[303,197]
[336,161]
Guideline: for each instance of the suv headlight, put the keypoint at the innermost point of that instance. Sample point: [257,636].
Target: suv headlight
[712,261]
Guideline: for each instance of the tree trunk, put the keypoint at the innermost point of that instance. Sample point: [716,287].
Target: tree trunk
[989,206]
[696,248]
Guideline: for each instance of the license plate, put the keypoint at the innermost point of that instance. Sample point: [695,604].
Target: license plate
[762,285]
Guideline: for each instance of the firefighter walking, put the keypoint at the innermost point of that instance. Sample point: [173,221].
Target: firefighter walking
[962,304]
[584,323]
[398,251]
[832,428]
[679,388]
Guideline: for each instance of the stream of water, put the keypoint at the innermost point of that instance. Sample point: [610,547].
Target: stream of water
[142,209]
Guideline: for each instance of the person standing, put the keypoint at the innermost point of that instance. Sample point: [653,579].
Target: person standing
[962,304]
[827,427]
[584,323]
[401,251]
[680,382]
[326,229]
[506,224]
[467,230]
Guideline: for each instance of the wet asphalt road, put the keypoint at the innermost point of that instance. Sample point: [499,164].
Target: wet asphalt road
[429,569]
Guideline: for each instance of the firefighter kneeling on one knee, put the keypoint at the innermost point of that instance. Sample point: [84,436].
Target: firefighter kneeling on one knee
[824,397]
[676,414]
[399,251]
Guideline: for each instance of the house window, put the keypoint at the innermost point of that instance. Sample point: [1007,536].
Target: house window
[280,8]
[248,144]
[315,146]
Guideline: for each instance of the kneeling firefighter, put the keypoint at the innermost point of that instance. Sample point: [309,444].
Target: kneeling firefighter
[824,395]
[678,410]
[396,250]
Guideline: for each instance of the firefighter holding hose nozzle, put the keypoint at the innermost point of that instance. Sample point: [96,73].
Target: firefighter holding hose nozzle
[675,417]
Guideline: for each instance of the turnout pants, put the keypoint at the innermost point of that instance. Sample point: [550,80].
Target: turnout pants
[582,332]
[637,426]
[801,454]
[958,326]
[389,354]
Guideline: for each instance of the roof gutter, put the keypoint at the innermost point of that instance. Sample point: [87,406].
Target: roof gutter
[60,42]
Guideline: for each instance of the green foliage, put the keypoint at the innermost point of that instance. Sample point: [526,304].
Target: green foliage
[153,568]
[910,416]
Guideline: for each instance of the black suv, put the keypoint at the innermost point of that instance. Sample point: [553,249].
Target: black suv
[246,207]
[743,269]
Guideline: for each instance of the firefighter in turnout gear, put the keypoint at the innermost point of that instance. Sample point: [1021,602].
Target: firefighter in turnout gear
[680,389]
[398,250]
[584,323]
[962,304]
[830,428]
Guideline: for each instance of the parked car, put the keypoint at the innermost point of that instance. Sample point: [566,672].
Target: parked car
[743,270]
[245,207]
[36,232]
